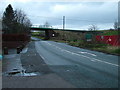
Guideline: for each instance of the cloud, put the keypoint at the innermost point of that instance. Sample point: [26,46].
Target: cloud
[78,14]
[85,11]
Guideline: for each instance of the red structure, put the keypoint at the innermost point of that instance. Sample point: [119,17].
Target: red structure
[113,40]
[14,40]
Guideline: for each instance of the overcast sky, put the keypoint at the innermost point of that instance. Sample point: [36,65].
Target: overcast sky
[78,14]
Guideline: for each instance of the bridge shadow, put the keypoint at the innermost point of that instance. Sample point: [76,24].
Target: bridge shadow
[37,39]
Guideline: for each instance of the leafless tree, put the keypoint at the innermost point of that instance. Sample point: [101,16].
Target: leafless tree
[93,28]
[46,25]
[115,25]
[22,21]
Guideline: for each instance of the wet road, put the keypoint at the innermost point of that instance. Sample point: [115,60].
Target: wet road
[80,67]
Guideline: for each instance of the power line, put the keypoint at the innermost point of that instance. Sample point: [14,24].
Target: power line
[86,20]
[70,19]
[46,17]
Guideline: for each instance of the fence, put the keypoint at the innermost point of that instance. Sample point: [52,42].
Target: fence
[15,37]
[14,40]
[113,40]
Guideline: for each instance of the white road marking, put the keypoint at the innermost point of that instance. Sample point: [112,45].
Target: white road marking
[42,57]
[88,53]
[40,54]
[92,59]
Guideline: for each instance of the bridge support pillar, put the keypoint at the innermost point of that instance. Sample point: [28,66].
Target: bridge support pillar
[47,35]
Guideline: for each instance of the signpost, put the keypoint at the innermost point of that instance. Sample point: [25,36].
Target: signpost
[88,37]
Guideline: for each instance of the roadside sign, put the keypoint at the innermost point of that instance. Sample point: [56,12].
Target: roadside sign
[88,36]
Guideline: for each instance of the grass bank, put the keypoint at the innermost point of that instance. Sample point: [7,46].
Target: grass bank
[114,50]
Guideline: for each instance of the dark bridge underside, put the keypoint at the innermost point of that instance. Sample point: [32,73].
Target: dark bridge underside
[48,31]
[40,29]
[45,29]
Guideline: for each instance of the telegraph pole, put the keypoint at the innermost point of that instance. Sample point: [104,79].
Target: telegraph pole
[63,22]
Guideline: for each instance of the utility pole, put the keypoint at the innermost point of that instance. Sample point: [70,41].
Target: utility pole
[63,22]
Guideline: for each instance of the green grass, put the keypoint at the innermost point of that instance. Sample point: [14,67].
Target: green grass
[117,51]
[109,49]
[93,46]
[35,33]
[110,32]
[38,37]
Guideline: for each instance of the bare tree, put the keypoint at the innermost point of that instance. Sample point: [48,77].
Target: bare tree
[115,25]
[46,25]
[93,28]
[22,21]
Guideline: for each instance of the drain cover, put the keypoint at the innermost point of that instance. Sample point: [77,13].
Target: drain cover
[13,72]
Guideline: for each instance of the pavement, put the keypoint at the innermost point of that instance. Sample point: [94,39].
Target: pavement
[28,70]
[44,81]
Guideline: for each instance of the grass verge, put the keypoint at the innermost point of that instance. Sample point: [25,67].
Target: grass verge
[39,37]
[114,50]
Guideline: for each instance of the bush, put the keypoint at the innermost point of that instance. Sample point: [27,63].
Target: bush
[117,51]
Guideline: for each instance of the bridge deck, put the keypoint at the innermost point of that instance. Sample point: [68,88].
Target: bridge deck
[45,29]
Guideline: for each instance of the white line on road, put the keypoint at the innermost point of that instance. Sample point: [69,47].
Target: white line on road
[41,55]
[92,59]
[88,53]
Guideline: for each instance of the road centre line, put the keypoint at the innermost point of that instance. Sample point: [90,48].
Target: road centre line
[92,59]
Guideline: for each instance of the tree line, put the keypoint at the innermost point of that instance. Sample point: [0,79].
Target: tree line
[15,21]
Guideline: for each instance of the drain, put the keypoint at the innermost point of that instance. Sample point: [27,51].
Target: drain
[13,72]
[15,69]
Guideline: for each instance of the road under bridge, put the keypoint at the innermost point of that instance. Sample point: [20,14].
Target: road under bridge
[50,31]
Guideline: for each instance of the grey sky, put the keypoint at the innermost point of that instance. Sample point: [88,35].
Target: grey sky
[79,15]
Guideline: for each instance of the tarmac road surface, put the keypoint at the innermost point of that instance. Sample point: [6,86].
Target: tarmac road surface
[80,67]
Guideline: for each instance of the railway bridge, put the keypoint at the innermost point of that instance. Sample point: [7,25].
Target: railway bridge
[50,32]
